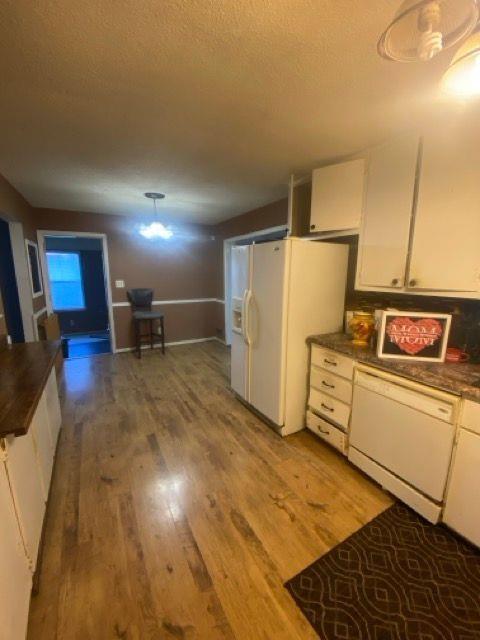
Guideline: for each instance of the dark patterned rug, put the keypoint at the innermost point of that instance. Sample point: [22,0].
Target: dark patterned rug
[397,578]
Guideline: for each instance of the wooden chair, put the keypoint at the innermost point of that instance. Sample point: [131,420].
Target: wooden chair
[141,301]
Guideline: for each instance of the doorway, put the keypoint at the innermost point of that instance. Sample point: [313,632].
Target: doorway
[78,291]
[266,235]
[9,288]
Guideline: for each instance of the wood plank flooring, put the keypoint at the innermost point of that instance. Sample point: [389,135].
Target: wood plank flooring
[176,513]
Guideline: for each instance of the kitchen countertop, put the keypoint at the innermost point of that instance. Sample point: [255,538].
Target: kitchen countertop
[24,371]
[456,378]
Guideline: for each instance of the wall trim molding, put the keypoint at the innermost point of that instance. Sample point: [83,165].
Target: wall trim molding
[164,302]
[38,313]
[35,316]
[171,344]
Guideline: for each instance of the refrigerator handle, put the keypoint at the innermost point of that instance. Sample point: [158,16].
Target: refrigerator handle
[244,315]
[248,300]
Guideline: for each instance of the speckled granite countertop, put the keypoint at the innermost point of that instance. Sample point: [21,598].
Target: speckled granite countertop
[456,378]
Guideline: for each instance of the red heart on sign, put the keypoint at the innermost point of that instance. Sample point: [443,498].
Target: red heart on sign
[413,336]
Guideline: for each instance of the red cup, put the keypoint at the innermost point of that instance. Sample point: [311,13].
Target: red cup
[456,355]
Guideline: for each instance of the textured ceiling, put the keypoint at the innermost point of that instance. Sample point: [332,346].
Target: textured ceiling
[214,102]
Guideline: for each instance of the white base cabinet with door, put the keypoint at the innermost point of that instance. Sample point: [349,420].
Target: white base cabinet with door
[26,464]
[462,507]
[15,574]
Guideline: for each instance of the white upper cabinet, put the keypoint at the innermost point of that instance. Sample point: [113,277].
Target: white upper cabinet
[337,196]
[445,252]
[385,229]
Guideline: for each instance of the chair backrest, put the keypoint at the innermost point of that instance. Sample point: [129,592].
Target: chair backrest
[140,299]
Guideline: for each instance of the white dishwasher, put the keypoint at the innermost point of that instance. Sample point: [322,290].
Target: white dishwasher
[402,435]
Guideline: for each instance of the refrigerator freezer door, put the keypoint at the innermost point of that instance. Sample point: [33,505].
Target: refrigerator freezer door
[267,329]
[240,270]
[239,371]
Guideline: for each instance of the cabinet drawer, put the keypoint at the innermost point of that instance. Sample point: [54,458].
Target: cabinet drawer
[327,432]
[332,384]
[332,361]
[329,407]
[470,415]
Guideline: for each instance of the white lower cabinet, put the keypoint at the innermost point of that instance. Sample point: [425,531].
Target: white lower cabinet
[462,508]
[53,407]
[327,432]
[27,490]
[15,575]
[26,464]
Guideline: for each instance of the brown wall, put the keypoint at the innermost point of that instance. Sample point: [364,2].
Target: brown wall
[14,208]
[188,266]
[270,215]
[182,268]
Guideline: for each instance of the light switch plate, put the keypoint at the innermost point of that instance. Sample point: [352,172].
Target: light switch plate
[120,284]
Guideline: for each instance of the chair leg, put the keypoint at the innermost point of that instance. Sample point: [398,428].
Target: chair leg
[151,334]
[163,335]
[137,339]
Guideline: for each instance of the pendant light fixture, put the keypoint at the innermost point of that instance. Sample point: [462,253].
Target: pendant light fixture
[423,28]
[155,229]
[462,78]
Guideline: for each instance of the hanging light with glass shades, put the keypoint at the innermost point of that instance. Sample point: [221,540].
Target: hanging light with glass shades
[421,29]
[155,229]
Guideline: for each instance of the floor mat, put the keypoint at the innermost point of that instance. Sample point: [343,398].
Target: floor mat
[397,578]
[83,345]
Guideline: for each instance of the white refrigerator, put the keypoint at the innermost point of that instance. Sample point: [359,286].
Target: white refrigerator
[282,292]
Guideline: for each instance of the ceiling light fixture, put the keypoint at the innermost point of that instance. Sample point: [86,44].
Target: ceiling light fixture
[423,28]
[462,78]
[155,229]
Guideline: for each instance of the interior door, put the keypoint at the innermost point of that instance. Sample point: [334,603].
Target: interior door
[384,235]
[240,272]
[267,326]
[15,576]
[444,254]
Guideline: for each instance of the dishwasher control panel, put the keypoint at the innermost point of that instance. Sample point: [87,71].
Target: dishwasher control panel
[430,404]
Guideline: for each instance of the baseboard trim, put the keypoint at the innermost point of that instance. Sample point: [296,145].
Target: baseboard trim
[169,344]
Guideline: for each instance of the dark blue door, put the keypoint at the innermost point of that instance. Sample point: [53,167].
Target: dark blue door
[8,286]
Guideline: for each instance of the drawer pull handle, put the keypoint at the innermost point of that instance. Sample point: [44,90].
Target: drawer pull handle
[329,386]
[324,406]
[334,364]
[326,432]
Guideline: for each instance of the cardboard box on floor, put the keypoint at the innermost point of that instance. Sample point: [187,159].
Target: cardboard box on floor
[50,327]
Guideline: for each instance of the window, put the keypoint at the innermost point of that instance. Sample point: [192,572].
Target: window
[66,284]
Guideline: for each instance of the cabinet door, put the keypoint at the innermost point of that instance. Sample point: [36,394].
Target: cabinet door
[53,407]
[42,438]
[337,196]
[462,508]
[384,235]
[445,255]
[15,576]
[27,490]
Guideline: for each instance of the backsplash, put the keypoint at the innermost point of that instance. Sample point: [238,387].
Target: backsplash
[465,330]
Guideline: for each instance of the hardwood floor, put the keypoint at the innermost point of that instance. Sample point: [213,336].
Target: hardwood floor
[176,513]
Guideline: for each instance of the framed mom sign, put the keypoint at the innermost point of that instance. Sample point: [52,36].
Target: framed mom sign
[413,335]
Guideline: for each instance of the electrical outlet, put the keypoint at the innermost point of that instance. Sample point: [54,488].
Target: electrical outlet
[120,284]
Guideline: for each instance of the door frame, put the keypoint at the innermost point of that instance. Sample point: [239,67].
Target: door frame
[44,233]
[228,243]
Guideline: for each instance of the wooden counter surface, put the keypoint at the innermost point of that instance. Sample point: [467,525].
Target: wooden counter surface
[24,371]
